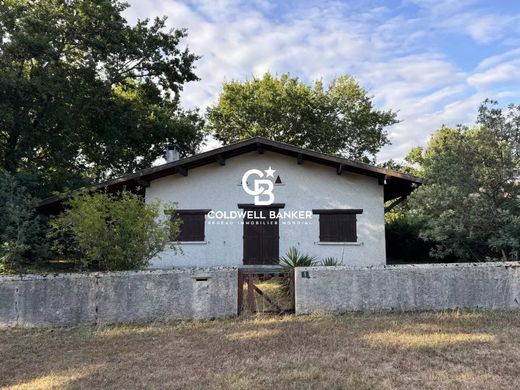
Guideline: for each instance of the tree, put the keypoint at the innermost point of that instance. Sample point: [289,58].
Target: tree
[113,231]
[402,228]
[85,96]
[470,203]
[339,120]
[22,231]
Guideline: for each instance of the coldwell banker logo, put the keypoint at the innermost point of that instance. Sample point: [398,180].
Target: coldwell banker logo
[262,187]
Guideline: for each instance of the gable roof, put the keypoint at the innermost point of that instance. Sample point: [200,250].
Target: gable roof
[396,184]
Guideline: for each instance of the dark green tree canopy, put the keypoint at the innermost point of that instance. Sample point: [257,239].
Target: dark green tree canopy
[470,203]
[338,120]
[22,231]
[84,95]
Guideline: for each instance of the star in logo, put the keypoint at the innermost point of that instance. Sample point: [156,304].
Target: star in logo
[269,172]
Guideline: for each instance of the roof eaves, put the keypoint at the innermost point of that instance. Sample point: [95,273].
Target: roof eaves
[242,144]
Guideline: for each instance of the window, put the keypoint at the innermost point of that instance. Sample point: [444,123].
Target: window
[192,227]
[338,225]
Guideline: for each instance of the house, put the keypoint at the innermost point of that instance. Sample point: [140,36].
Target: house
[247,203]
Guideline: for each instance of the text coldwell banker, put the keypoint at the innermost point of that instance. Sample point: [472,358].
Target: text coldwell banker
[260,214]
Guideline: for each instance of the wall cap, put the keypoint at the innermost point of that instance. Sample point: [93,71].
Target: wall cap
[109,274]
[397,267]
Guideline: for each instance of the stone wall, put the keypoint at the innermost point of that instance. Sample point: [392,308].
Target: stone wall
[408,287]
[117,297]
[205,293]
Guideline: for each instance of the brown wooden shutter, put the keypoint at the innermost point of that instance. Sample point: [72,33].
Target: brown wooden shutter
[349,228]
[339,226]
[327,227]
[192,228]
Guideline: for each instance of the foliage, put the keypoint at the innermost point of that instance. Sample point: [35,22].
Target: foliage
[470,205]
[330,262]
[410,165]
[402,228]
[22,231]
[339,120]
[402,237]
[113,231]
[85,96]
[294,259]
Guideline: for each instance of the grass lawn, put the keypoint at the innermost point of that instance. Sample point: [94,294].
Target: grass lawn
[360,351]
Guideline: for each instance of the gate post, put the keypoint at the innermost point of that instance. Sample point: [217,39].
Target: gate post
[292,277]
[251,292]
[240,294]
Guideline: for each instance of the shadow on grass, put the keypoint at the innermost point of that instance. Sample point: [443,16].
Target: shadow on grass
[267,351]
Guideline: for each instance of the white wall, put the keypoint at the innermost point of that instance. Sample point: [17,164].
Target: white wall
[305,187]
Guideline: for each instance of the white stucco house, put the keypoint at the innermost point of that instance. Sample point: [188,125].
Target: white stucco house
[247,203]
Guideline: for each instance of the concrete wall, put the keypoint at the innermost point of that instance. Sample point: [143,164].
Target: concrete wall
[117,297]
[408,287]
[305,187]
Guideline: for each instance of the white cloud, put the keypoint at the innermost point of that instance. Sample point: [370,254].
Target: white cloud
[483,28]
[487,28]
[497,59]
[389,51]
[441,7]
[483,23]
[505,72]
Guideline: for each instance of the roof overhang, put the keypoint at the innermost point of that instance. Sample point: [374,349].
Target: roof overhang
[395,184]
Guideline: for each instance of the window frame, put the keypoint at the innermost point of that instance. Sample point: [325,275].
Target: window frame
[201,238]
[348,235]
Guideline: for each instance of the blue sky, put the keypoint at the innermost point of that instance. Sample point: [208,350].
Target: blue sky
[433,61]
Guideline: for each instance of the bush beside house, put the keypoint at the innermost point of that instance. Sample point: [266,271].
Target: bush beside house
[113,231]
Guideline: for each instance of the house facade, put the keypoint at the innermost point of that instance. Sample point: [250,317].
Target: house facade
[246,204]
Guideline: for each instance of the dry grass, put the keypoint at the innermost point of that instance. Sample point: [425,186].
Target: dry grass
[272,288]
[465,350]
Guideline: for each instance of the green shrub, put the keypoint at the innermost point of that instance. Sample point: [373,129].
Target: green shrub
[330,262]
[289,262]
[113,231]
[294,259]
[22,231]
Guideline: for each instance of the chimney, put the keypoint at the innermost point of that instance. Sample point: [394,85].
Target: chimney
[172,154]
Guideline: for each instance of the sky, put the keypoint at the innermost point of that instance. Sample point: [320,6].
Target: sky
[432,61]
